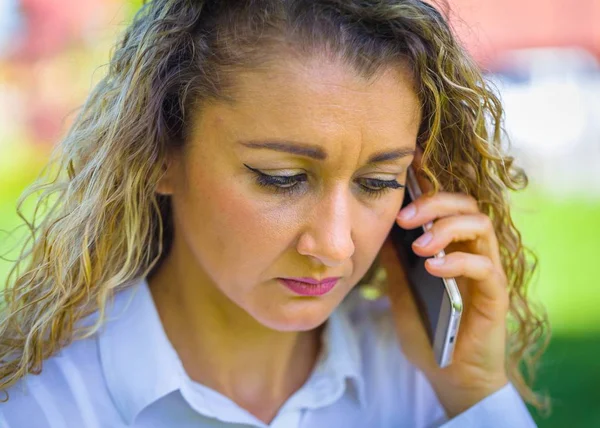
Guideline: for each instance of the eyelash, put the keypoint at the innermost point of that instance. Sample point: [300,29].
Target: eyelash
[281,184]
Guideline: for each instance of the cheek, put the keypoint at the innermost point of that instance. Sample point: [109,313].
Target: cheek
[248,233]
[232,229]
[372,229]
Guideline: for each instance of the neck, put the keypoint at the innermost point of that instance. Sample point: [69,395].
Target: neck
[221,346]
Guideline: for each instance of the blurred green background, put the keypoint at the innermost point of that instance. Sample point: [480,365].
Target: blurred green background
[51,55]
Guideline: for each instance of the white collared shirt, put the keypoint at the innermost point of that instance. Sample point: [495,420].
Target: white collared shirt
[130,375]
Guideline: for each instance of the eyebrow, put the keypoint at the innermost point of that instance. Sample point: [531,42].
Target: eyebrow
[316,152]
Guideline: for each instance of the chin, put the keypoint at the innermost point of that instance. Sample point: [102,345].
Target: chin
[301,315]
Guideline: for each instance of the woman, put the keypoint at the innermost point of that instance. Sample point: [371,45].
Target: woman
[231,148]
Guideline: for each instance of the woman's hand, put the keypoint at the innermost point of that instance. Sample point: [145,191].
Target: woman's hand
[472,257]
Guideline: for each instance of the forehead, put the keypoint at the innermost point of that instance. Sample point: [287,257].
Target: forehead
[321,101]
[317,86]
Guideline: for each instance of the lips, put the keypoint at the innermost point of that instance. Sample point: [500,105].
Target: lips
[302,287]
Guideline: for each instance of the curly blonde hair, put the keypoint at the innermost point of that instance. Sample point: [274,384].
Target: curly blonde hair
[99,223]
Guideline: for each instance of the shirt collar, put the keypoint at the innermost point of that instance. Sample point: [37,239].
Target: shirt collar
[140,365]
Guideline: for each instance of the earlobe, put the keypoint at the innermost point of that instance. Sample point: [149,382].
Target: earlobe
[165,183]
[163,188]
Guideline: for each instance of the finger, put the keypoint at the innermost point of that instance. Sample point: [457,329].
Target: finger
[491,282]
[429,207]
[474,227]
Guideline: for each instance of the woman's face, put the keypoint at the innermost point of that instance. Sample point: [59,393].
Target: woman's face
[238,237]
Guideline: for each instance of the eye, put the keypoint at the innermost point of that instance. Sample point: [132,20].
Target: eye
[379,187]
[289,185]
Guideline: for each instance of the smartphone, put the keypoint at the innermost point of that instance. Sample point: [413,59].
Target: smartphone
[438,299]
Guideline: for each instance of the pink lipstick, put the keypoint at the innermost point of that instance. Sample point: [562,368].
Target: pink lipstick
[309,286]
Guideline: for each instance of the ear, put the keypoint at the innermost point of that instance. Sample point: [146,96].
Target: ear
[424,183]
[166,184]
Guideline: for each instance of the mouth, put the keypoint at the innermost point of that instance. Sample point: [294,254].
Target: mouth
[309,286]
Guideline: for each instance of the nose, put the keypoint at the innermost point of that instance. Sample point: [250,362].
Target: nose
[327,237]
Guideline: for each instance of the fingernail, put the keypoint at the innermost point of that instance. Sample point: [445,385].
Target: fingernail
[436,261]
[408,212]
[424,239]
